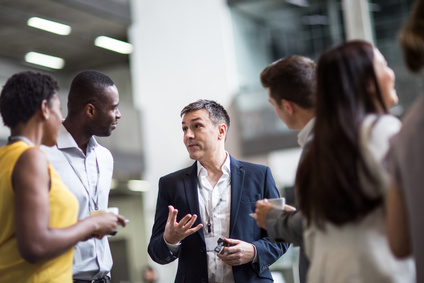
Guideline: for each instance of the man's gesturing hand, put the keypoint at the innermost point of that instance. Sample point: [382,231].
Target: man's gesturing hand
[177,231]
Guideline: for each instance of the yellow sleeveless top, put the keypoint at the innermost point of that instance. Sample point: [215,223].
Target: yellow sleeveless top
[63,213]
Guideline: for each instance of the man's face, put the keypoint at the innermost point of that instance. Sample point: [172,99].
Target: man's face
[201,136]
[279,110]
[107,113]
[54,121]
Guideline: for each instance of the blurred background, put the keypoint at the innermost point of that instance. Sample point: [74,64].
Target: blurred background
[164,54]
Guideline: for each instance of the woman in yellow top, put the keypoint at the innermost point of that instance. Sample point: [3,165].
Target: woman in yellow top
[38,215]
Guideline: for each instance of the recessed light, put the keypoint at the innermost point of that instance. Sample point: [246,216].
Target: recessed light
[113,44]
[49,26]
[45,60]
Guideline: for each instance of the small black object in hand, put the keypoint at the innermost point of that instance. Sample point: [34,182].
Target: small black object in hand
[221,245]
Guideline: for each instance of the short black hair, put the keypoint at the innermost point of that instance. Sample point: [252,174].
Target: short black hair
[217,112]
[23,94]
[87,87]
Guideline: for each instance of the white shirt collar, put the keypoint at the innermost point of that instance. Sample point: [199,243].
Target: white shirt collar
[303,135]
[65,140]
[202,172]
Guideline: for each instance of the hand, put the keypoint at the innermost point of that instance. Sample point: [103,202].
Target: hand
[106,223]
[238,253]
[177,231]
[261,212]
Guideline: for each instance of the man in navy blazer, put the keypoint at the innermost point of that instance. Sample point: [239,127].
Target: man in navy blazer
[209,200]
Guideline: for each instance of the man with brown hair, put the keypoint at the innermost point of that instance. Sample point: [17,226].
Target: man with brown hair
[202,212]
[290,82]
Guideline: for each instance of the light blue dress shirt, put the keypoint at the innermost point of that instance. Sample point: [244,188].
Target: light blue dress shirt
[88,176]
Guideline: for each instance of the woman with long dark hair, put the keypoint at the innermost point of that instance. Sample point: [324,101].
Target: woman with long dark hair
[340,182]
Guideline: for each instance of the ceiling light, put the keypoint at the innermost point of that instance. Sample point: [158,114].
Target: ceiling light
[45,60]
[49,26]
[138,185]
[113,44]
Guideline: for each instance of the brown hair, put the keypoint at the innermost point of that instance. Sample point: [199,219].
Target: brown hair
[291,78]
[411,38]
[217,112]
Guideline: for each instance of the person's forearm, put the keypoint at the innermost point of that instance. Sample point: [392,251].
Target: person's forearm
[53,242]
[285,226]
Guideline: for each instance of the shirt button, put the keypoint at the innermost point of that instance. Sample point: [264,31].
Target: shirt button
[202,249]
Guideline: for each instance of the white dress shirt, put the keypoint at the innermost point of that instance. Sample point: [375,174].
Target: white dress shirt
[88,176]
[216,202]
[215,209]
[303,135]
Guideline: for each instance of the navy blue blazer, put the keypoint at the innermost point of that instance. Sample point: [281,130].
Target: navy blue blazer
[249,183]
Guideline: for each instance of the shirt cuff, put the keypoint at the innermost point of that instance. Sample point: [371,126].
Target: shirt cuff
[174,248]
[255,257]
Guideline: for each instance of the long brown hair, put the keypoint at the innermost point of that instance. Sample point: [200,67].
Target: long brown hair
[328,182]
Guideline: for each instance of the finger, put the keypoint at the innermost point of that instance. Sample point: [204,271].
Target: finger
[121,220]
[190,222]
[289,208]
[172,215]
[230,259]
[232,250]
[224,257]
[185,220]
[237,246]
[262,203]
[232,242]
[195,229]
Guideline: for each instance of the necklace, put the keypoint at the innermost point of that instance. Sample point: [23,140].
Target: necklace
[22,138]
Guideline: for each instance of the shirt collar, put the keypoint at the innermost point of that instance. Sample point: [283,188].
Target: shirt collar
[202,172]
[303,135]
[65,140]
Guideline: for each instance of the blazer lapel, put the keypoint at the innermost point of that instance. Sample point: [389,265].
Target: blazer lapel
[237,182]
[192,195]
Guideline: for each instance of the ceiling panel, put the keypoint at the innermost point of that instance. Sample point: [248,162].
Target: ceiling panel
[87,22]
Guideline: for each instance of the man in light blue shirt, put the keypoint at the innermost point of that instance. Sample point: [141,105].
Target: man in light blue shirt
[85,166]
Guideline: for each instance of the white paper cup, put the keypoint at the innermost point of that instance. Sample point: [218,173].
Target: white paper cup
[114,210]
[278,202]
